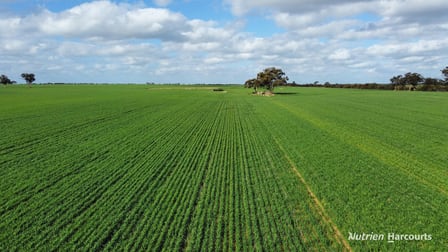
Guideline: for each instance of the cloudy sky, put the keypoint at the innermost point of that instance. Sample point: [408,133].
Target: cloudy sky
[222,41]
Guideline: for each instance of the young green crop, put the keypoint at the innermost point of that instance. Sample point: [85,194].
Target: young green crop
[132,167]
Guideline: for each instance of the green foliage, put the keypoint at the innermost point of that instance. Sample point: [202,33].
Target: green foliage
[252,83]
[129,167]
[29,78]
[5,80]
[269,78]
[445,73]
[408,81]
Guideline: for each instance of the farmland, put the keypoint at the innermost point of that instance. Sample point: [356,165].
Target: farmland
[169,168]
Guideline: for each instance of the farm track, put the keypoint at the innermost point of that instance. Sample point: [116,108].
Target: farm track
[318,205]
[191,170]
[276,167]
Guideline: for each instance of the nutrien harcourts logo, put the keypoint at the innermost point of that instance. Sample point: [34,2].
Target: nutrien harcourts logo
[389,237]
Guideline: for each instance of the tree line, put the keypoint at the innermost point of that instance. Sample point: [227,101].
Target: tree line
[353,86]
[409,81]
[271,77]
[415,81]
[28,77]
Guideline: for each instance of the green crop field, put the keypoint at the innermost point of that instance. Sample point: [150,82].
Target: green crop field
[173,168]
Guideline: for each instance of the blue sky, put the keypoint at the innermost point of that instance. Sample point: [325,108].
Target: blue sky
[222,41]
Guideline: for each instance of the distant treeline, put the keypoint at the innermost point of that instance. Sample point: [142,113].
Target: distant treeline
[357,86]
[409,81]
[418,87]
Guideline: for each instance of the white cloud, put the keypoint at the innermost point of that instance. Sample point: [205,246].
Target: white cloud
[422,47]
[101,19]
[414,9]
[367,41]
[240,7]
[13,46]
[207,31]
[340,54]
[293,14]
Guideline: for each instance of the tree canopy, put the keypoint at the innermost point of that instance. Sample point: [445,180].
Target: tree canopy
[29,78]
[409,79]
[268,78]
[445,73]
[5,80]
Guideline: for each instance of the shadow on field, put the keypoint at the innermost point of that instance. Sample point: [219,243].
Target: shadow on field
[285,93]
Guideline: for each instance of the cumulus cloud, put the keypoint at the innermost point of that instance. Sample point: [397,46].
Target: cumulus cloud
[397,28]
[107,20]
[101,19]
[207,31]
[240,7]
[340,54]
[323,40]
[419,48]
[414,10]
[303,13]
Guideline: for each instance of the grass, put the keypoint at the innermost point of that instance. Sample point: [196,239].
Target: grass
[136,167]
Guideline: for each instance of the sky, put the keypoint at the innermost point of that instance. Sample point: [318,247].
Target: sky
[221,41]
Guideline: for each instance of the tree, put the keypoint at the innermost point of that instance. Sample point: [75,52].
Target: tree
[431,84]
[397,82]
[5,80]
[252,83]
[29,78]
[445,73]
[411,80]
[269,78]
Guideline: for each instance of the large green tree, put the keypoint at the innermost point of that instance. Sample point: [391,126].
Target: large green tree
[5,80]
[397,82]
[445,73]
[410,80]
[268,78]
[413,79]
[252,83]
[29,78]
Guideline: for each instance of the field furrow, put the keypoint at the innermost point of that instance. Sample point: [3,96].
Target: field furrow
[180,168]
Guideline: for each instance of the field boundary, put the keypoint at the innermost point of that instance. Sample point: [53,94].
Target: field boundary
[319,207]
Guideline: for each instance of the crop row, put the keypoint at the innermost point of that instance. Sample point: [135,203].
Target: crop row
[194,174]
[365,180]
[180,169]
